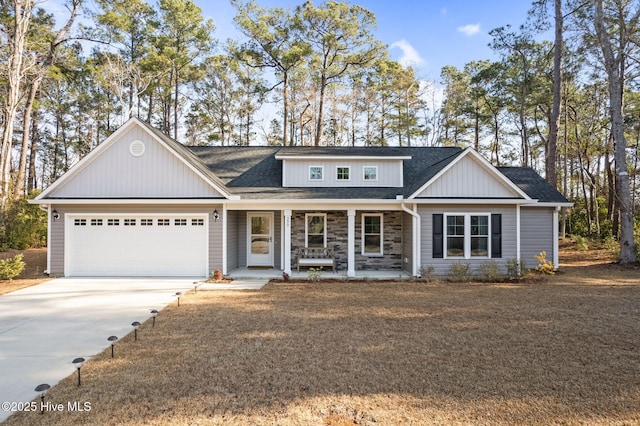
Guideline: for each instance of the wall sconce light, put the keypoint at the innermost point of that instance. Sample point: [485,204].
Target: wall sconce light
[136,326]
[216,215]
[154,314]
[113,340]
[78,362]
[43,388]
[55,215]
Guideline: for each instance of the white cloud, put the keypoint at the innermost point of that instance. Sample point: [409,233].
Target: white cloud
[469,29]
[410,56]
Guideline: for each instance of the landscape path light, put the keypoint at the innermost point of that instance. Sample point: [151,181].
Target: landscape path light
[43,388]
[154,314]
[78,362]
[178,294]
[113,340]
[136,326]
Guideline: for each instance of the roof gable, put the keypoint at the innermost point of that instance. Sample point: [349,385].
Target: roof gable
[137,162]
[469,176]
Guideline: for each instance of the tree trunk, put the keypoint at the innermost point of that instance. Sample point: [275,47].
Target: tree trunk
[323,86]
[615,67]
[22,10]
[554,124]
[32,179]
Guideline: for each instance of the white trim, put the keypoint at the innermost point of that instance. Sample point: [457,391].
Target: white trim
[518,255]
[483,163]
[556,260]
[269,214]
[306,228]
[364,173]
[475,201]
[342,157]
[225,267]
[467,235]
[309,174]
[351,243]
[287,241]
[50,219]
[362,235]
[415,230]
[348,173]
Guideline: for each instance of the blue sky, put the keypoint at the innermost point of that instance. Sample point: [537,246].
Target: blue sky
[428,33]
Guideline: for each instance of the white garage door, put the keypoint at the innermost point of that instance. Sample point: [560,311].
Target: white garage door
[136,245]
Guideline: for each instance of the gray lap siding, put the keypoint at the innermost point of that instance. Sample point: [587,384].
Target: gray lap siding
[536,234]
[441,266]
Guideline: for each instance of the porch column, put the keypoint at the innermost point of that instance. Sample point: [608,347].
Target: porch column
[518,258]
[351,243]
[287,241]
[556,260]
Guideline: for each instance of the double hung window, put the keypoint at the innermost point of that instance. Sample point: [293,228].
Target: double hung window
[316,230]
[467,235]
[372,236]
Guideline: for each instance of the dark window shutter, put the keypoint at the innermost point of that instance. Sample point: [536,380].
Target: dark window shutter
[438,236]
[496,235]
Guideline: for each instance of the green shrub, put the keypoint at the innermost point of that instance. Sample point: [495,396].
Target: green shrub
[459,273]
[23,226]
[516,269]
[315,274]
[11,267]
[582,243]
[490,271]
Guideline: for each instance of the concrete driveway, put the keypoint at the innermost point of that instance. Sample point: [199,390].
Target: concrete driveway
[44,327]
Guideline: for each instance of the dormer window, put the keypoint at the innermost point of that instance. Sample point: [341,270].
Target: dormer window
[370,173]
[343,173]
[316,173]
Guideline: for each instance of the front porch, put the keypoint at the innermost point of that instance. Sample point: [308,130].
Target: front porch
[271,273]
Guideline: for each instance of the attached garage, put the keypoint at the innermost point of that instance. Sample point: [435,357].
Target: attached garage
[136,245]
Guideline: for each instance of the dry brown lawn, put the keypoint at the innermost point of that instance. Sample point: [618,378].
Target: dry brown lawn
[564,351]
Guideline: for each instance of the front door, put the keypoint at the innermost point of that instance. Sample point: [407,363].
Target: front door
[260,239]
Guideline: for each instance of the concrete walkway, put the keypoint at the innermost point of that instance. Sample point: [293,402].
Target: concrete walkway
[44,327]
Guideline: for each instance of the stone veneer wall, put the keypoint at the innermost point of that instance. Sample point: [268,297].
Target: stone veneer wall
[337,239]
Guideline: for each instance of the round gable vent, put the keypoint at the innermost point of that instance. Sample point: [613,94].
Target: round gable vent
[136,148]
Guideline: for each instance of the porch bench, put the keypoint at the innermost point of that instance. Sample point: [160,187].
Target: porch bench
[316,256]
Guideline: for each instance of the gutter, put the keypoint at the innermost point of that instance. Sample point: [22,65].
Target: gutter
[416,237]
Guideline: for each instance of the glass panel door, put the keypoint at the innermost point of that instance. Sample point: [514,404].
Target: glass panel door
[260,239]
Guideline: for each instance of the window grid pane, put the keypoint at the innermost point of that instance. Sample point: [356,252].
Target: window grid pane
[315,231]
[315,173]
[343,173]
[372,235]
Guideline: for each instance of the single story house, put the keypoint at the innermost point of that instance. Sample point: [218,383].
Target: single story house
[141,204]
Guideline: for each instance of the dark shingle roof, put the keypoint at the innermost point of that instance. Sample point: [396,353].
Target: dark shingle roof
[254,172]
[533,184]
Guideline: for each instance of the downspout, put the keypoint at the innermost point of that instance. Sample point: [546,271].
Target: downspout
[518,256]
[416,237]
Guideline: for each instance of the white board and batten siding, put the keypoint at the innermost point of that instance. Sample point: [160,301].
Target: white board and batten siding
[146,170]
[296,173]
[441,266]
[467,178]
